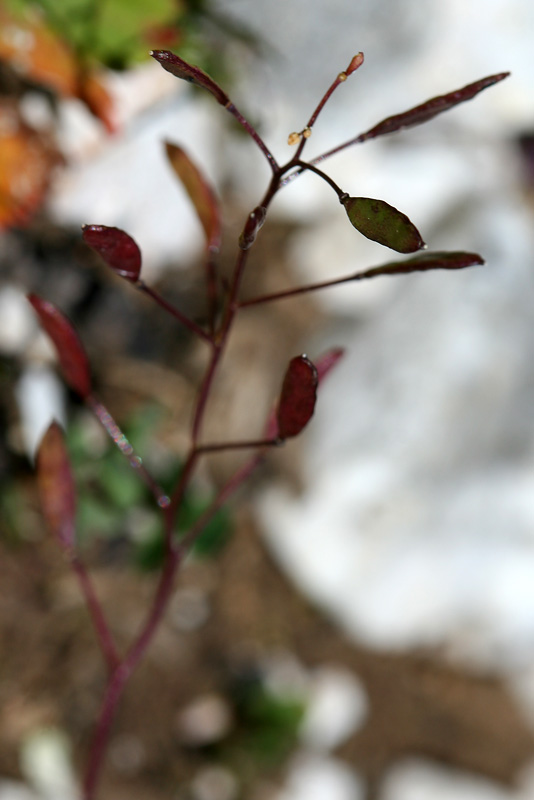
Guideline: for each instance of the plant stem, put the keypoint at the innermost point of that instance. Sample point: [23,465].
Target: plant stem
[252,132]
[176,551]
[310,287]
[237,479]
[175,312]
[122,673]
[305,165]
[220,447]
[105,640]
[118,437]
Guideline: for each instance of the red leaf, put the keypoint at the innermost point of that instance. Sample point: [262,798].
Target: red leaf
[188,72]
[200,192]
[430,109]
[424,262]
[328,361]
[56,485]
[297,398]
[116,247]
[382,223]
[72,357]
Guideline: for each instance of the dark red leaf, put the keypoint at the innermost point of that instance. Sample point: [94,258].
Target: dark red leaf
[430,109]
[187,72]
[423,262]
[297,398]
[200,192]
[72,357]
[382,223]
[56,485]
[116,247]
[328,361]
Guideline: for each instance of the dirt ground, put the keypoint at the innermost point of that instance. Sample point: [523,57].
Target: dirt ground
[51,673]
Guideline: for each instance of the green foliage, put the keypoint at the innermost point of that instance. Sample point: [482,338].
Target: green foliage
[113,503]
[119,33]
[268,723]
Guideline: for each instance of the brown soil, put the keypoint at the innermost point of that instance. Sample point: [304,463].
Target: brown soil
[51,673]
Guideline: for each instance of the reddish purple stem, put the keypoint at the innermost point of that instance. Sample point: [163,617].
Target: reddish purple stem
[103,633]
[175,312]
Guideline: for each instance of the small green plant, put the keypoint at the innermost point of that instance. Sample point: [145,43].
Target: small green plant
[375,219]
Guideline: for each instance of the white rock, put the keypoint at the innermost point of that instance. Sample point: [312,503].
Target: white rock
[418,780]
[312,777]
[337,707]
[41,399]
[13,790]
[17,320]
[46,763]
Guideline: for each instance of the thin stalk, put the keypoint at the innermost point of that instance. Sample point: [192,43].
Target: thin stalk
[123,672]
[220,447]
[122,443]
[305,165]
[355,63]
[253,133]
[105,639]
[175,312]
[322,157]
[211,287]
[324,99]
[219,345]
[237,479]
[310,287]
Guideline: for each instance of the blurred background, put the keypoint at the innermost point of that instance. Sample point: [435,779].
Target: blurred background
[360,625]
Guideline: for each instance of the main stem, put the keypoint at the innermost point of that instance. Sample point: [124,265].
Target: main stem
[122,673]
[177,550]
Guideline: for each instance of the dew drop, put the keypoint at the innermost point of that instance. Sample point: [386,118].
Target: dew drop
[164,501]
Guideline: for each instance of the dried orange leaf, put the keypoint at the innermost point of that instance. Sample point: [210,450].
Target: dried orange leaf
[93,92]
[27,161]
[36,52]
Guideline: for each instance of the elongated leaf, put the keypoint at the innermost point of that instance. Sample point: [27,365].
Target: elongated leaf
[424,262]
[188,72]
[431,108]
[297,398]
[56,485]
[200,192]
[116,248]
[72,357]
[327,361]
[382,223]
